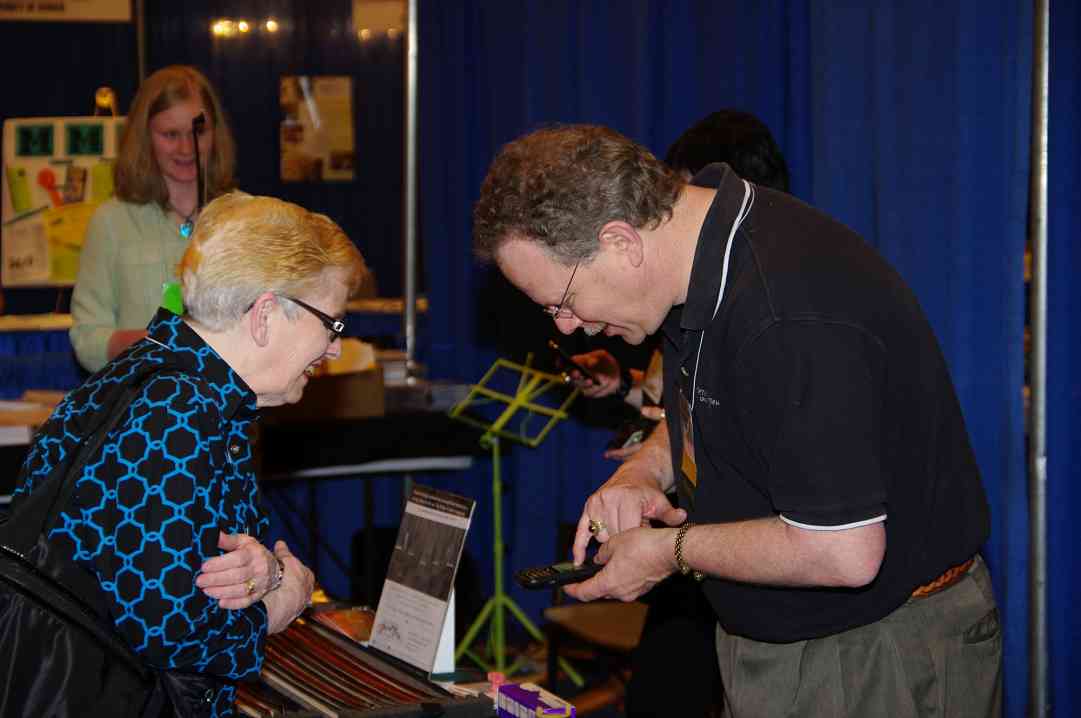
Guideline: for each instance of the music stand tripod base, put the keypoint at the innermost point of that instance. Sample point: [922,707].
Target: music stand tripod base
[491,408]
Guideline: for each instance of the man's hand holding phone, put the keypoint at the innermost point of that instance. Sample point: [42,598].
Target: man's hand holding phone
[634,562]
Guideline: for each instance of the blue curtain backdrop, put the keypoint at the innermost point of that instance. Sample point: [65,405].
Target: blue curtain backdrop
[314,38]
[908,121]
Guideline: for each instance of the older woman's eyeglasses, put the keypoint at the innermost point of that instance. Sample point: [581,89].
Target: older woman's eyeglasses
[558,312]
[334,326]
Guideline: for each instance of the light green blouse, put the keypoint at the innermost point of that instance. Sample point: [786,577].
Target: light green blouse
[129,252]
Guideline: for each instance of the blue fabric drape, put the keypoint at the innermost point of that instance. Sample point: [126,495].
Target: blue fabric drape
[908,121]
[313,39]
[37,360]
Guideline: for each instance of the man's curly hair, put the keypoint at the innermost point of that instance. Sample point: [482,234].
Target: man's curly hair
[560,185]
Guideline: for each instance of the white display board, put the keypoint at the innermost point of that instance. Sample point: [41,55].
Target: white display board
[415,617]
[56,171]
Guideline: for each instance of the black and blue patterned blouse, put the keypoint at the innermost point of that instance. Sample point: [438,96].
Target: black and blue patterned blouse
[147,510]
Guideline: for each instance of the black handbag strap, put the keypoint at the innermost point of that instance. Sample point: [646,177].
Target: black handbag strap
[39,512]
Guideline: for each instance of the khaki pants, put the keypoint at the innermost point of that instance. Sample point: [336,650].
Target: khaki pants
[935,656]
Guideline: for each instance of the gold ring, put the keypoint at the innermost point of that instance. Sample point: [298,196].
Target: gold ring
[595,526]
[251,586]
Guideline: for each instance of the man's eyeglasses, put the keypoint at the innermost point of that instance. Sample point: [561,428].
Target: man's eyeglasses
[558,312]
[334,326]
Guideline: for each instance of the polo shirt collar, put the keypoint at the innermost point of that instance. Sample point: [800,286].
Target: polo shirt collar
[188,352]
[705,280]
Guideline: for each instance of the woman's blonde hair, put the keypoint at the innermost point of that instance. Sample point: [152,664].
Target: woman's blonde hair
[137,175]
[244,245]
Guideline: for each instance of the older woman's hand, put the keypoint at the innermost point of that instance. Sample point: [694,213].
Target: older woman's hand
[286,602]
[240,576]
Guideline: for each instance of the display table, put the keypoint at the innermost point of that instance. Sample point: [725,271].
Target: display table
[400,443]
[36,353]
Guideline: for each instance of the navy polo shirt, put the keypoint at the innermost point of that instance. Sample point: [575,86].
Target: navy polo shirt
[819,395]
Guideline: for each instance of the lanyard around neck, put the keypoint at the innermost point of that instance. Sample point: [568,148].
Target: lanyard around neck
[744,210]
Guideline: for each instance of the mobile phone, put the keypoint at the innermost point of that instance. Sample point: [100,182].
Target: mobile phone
[557,574]
[569,360]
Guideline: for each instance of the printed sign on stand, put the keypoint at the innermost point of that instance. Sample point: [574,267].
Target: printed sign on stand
[415,607]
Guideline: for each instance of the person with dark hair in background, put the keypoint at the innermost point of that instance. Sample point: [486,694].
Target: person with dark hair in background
[680,620]
[134,241]
[831,504]
[740,140]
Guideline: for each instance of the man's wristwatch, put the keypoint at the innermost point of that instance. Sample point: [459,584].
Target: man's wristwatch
[683,566]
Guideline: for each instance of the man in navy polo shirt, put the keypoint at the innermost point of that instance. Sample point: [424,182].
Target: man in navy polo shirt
[833,506]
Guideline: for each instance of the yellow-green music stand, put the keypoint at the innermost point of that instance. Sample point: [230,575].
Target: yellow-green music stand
[519,392]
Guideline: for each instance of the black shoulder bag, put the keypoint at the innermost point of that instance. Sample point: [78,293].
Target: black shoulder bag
[59,652]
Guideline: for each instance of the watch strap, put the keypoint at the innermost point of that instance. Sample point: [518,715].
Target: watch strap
[681,564]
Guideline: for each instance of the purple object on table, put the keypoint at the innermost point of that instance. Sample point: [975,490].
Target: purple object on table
[514,700]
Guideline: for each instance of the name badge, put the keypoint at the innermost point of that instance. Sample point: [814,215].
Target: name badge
[688,467]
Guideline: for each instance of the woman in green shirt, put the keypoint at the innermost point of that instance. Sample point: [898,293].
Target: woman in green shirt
[135,240]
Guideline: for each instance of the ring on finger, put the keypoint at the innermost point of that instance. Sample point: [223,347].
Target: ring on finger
[251,586]
[596,526]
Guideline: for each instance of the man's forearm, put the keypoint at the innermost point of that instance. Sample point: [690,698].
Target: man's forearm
[654,459]
[771,552]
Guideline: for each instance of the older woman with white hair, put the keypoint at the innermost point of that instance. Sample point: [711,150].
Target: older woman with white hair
[165,522]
